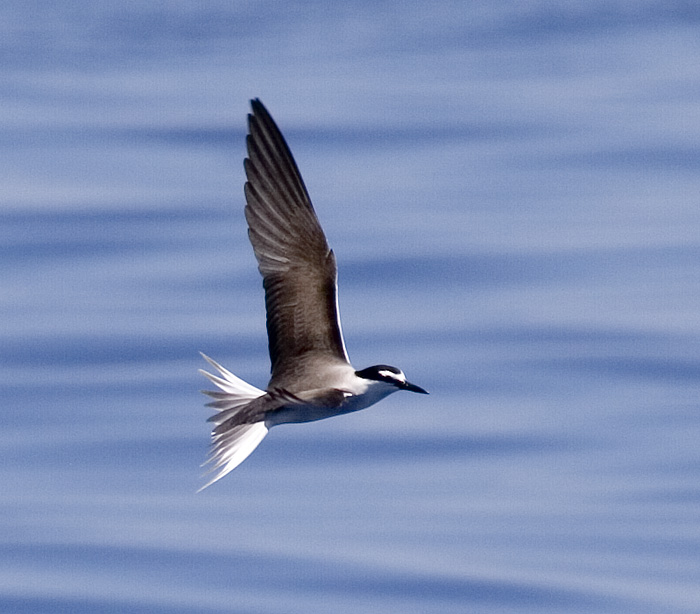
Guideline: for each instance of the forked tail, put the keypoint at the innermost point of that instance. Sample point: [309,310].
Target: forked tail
[230,446]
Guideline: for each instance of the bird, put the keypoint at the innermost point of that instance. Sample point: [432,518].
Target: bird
[311,375]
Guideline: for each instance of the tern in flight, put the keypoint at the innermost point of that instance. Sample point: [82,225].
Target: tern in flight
[312,377]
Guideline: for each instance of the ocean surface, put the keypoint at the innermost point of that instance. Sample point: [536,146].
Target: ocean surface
[512,190]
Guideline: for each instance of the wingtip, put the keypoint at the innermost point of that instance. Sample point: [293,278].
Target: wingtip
[257,105]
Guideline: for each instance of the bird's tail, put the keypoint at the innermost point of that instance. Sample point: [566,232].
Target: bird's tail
[230,446]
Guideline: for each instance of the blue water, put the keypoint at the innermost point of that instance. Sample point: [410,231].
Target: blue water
[511,190]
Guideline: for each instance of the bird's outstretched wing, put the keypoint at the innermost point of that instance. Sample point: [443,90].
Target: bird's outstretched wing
[297,265]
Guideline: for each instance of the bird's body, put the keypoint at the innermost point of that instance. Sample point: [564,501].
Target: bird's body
[312,377]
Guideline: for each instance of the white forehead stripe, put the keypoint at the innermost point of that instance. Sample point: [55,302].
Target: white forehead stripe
[391,375]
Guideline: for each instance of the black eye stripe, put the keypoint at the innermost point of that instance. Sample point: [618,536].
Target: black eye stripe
[383,373]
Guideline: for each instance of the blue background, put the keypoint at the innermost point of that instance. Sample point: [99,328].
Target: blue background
[512,192]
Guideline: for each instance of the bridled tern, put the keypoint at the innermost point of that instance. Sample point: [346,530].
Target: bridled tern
[312,377]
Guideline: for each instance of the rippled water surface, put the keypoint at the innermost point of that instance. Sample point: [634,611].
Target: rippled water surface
[512,194]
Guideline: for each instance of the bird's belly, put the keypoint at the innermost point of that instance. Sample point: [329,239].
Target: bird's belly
[311,413]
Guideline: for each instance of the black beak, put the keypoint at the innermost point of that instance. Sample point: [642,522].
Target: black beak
[413,388]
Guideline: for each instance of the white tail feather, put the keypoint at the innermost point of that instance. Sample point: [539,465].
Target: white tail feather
[231,384]
[232,454]
[232,447]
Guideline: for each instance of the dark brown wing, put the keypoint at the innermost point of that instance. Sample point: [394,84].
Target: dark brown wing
[298,267]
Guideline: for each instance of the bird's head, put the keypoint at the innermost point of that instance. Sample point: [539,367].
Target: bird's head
[391,376]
